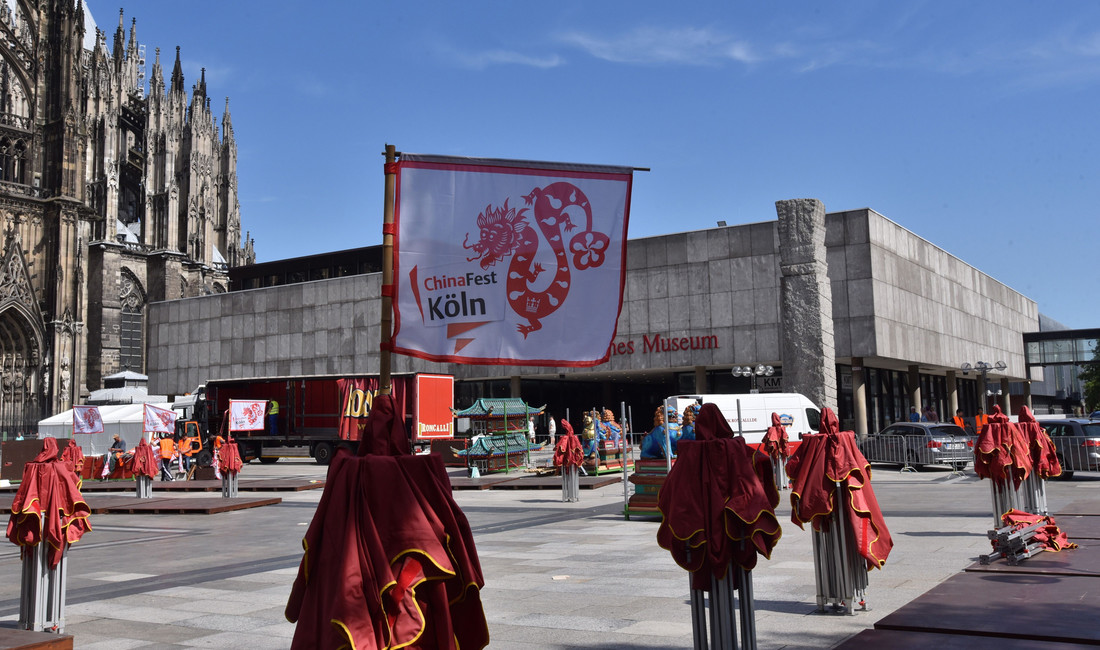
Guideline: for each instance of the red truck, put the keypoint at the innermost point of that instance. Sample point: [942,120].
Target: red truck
[321,413]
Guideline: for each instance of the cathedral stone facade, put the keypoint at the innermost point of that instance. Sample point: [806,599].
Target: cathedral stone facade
[115,190]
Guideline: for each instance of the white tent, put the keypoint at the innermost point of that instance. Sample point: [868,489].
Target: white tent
[127,420]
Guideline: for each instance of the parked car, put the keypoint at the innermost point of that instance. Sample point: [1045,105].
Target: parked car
[1077,441]
[920,443]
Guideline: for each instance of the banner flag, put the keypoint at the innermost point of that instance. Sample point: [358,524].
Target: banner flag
[246,414]
[159,420]
[86,419]
[508,262]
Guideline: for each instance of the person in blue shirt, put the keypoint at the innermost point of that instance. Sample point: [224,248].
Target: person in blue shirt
[914,416]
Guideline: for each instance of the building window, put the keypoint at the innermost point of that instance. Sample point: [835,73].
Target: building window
[131,343]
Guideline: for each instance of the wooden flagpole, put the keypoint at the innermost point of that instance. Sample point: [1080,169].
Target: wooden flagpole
[388,227]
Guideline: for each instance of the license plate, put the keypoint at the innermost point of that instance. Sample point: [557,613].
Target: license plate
[954,445]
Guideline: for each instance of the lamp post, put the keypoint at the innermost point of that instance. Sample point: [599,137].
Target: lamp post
[984,367]
[759,370]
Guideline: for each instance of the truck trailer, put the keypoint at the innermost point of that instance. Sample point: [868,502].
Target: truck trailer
[317,414]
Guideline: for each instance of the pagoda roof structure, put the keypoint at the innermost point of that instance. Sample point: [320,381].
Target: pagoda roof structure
[499,407]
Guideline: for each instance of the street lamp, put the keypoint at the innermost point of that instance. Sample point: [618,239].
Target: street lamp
[984,367]
[759,370]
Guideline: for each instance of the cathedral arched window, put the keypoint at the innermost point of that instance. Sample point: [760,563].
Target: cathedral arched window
[6,159]
[131,341]
[19,162]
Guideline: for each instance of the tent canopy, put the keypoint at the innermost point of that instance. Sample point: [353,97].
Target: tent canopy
[127,420]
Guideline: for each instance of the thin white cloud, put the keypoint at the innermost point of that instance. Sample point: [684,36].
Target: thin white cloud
[680,46]
[482,60]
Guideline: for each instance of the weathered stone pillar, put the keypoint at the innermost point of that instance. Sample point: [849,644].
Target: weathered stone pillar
[1006,399]
[701,380]
[806,302]
[514,384]
[914,389]
[1027,394]
[859,397]
[952,396]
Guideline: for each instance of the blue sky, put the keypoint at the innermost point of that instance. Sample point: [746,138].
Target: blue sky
[974,125]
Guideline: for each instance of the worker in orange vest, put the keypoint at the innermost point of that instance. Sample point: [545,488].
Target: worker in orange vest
[167,451]
[980,420]
[959,420]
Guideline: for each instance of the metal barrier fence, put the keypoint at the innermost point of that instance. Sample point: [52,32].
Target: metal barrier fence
[912,452]
[1077,454]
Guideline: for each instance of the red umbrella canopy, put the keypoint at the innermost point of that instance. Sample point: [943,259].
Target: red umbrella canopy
[74,456]
[568,451]
[389,557]
[718,502]
[1050,535]
[1044,457]
[821,462]
[48,506]
[775,439]
[1002,452]
[229,458]
[144,462]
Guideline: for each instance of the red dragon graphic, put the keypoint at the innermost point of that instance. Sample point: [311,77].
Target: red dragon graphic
[505,232]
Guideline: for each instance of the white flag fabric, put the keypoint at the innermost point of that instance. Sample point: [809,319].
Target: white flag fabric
[246,414]
[508,262]
[159,420]
[86,419]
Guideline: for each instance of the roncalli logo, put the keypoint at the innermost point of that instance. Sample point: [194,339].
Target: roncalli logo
[664,343]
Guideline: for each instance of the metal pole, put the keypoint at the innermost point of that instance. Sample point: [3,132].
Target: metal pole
[388,232]
[668,441]
[622,455]
[740,429]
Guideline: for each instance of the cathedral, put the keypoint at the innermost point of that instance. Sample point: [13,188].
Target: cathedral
[116,190]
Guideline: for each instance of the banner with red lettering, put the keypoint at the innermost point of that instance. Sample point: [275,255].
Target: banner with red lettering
[159,420]
[357,396]
[246,414]
[86,419]
[508,262]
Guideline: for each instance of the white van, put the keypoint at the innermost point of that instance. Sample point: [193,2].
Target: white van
[796,411]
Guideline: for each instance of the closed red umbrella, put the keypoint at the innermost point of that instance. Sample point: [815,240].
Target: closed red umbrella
[569,455]
[821,462]
[144,462]
[48,505]
[1002,454]
[229,458]
[389,557]
[775,439]
[568,451]
[1044,457]
[719,494]
[74,457]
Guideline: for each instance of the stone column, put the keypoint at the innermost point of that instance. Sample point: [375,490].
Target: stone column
[1006,399]
[806,302]
[952,396]
[1027,394]
[914,389]
[514,385]
[700,380]
[859,397]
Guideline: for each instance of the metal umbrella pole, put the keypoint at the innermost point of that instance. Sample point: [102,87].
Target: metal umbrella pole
[1035,495]
[570,484]
[42,593]
[626,455]
[839,570]
[144,486]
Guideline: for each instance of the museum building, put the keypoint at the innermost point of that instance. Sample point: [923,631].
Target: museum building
[906,316]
